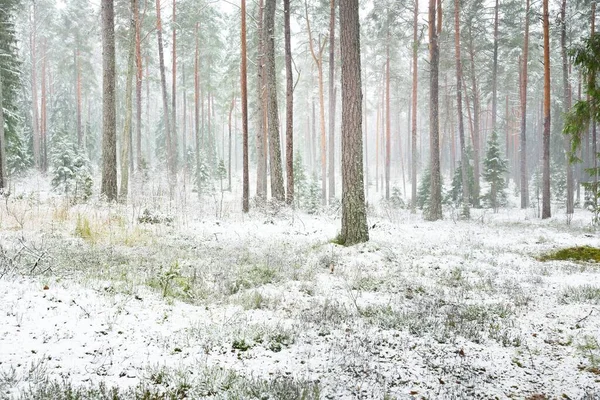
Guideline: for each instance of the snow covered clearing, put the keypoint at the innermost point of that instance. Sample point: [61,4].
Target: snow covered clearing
[180,301]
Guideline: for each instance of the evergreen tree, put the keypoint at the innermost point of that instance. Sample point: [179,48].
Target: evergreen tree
[494,170]
[455,193]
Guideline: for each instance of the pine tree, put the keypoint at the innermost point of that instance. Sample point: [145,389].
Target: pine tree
[494,170]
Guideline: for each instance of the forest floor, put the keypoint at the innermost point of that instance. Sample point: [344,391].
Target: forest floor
[162,299]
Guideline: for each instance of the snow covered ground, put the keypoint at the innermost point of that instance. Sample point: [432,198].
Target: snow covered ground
[204,302]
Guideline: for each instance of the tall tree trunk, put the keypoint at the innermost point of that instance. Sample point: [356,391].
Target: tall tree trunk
[34,88]
[44,113]
[435,207]
[378,120]
[495,70]
[261,135]
[126,136]
[138,84]
[244,94]
[197,100]
[566,100]
[476,124]
[318,59]
[366,141]
[109,121]
[461,127]
[165,101]
[546,137]
[523,136]
[354,215]
[594,151]
[3,176]
[78,99]
[331,100]
[413,125]
[174,154]
[277,190]
[388,120]
[229,146]
[289,105]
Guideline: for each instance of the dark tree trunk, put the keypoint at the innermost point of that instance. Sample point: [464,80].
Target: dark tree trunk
[523,136]
[413,125]
[174,146]
[34,88]
[138,85]
[331,100]
[277,190]
[3,176]
[461,126]
[261,135]
[495,70]
[289,106]
[354,216]
[78,100]
[566,100]
[126,136]
[435,207]
[476,115]
[165,101]
[109,122]
[546,136]
[388,120]
[244,93]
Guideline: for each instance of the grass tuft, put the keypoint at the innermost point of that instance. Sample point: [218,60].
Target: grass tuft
[579,253]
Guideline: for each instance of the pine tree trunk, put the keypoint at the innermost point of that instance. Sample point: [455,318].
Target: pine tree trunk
[244,94]
[261,136]
[289,106]
[34,89]
[43,114]
[197,109]
[318,59]
[126,136]
[277,190]
[138,85]
[495,70]
[566,101]
[174,153]
[229,146]
[435,207]
[165,101]
[476,112]
[388,120]
[523,136]
[78,100]
[546,136]
[354,216]
[3,176]
[109,122]
[413,126]
[461,126]
[594,151]
[331,100]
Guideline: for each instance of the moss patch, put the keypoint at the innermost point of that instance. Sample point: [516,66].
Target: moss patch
[580,253]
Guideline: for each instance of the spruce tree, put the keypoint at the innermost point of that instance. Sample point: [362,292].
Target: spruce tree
[494,170]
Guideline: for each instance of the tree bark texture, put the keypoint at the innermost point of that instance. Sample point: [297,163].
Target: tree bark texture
[277,190]
[109,122]
[354,216]
[435,207]
[523,136]
[546,138]
[289,106]
[461,125]
[331,100]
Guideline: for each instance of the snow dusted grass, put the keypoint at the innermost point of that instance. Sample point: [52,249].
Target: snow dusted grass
[164,299]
